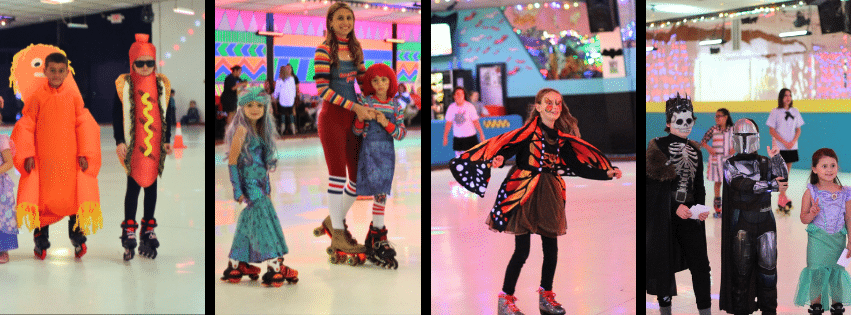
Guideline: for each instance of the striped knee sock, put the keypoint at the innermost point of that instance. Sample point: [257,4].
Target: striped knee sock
[378,212]
[335,195]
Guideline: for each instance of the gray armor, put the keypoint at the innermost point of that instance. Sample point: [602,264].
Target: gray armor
[750,228]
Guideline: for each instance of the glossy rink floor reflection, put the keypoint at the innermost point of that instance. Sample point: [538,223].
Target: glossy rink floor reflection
[299,193]
[101,282]
[791,253]
[596,260]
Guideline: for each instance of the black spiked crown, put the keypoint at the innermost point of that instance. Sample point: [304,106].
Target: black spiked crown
[678,104]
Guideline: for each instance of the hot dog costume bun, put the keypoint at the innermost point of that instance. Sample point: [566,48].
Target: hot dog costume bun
[54,129]
[143,103]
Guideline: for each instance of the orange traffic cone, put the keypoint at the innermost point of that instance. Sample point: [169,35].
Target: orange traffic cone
[178,139]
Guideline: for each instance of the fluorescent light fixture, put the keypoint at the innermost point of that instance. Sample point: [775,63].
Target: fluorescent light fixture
[651,48]
[795,33]
[264,33]
[184,11]
[710,42]
[676,8]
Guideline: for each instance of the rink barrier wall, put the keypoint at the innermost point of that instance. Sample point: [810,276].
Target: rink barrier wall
[827,124]
[491,126]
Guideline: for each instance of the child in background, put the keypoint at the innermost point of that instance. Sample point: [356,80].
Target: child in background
[8,222]
[252,157]
[824,210]
[377,156]
[718,142]
[462,116]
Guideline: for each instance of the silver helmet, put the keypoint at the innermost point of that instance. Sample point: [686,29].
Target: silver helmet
[745,136]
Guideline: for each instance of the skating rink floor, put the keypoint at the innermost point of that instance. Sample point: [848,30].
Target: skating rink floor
[596,260]
[299,194]
[102,282]
[791,252]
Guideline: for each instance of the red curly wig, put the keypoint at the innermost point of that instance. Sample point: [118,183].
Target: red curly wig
[380,70]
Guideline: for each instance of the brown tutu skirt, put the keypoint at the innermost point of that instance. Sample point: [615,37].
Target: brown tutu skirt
[543,212]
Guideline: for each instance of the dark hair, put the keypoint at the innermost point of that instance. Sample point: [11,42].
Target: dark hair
[462,89]
[57,58]
[726,113]
[820,153]
[780,98]
[234,68]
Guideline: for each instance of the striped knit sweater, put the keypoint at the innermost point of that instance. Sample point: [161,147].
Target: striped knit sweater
[322,68]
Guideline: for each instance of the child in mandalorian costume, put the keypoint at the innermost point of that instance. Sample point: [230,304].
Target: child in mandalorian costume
[748,231]
[674,242]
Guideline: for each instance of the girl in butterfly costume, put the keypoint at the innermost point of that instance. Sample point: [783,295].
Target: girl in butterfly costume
[532,197]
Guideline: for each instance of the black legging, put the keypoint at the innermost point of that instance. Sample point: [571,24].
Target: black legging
[131,200]
[521,252]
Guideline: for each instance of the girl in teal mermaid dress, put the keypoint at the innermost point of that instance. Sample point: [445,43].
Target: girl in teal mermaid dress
[252,157]
[824,209]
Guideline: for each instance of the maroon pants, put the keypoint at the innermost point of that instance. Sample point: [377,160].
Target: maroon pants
[340,144]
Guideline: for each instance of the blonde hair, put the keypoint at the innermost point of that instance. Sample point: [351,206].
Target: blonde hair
[565,122]
[331,37]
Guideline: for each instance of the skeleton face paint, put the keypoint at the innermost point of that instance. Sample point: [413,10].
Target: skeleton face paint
[681,124]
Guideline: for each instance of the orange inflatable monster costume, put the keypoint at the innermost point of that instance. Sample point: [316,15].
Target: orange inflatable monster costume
[55,129]
[144,97]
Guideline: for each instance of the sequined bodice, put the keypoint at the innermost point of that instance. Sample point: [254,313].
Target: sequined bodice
[832,216]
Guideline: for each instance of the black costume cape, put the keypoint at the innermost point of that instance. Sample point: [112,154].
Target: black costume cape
[728,267]
[576,158]
[664,255]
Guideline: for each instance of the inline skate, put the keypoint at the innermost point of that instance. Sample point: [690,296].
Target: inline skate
[378,249]
[41,243]
[148,242]
[77,238]
[128,238]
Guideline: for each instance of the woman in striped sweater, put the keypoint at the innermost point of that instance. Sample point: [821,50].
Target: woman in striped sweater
[338,62]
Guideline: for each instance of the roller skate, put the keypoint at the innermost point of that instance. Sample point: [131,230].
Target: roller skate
[128,238]
[148,242]
[548,304]
[41,242]
[77,238]
[506,305]
[344,248]
[717,207]
[278,273]
[784,205]
[378,249]
[234,275]
[816,309]
[837,309]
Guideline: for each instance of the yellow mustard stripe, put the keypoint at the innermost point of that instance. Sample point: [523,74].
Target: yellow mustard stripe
[146,112]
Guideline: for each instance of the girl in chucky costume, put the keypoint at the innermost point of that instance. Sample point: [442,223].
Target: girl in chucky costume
[531,200]
[142,139]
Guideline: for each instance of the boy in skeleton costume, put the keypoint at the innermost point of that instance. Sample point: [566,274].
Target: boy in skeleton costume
[674,184]
[748,231]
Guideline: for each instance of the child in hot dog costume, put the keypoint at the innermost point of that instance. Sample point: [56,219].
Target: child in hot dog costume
[57,149]
[142,139]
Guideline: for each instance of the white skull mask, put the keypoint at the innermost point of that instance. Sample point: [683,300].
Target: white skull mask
[681,123]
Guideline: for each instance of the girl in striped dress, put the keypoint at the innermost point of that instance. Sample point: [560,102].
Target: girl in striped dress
[721,148]
[337,64]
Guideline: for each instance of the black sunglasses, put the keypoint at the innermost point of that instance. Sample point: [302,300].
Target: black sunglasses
[141,63]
